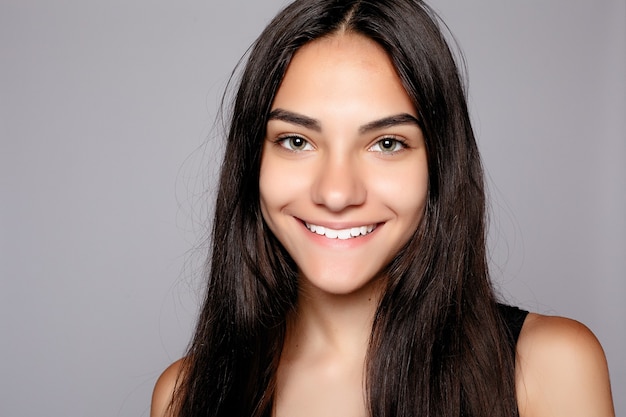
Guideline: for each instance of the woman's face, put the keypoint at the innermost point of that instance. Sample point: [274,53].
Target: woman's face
[344,172]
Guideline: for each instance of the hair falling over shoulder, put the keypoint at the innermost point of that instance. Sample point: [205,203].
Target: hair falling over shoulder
[437,345]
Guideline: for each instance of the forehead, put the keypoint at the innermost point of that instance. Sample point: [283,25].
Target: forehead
[341,71]
[347,46]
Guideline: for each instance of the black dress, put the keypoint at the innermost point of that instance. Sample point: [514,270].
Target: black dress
[513,318]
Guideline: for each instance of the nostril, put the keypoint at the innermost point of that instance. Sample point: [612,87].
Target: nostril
[339,186]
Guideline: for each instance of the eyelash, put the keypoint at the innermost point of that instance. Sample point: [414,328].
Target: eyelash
[285,142]
[396,142]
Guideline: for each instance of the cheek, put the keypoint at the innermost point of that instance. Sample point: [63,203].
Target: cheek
[267,190]
[279,186]
[405,192]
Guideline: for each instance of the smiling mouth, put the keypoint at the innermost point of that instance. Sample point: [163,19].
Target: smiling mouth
[342,234]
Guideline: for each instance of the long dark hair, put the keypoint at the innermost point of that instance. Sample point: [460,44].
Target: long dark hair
[438,347]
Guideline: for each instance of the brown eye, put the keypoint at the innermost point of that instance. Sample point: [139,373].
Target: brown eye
[388,145]
[295,143]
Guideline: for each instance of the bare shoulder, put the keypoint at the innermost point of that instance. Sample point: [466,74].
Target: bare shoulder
[561,370]
[163,390]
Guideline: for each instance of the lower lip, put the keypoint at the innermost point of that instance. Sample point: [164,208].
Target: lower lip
[340,243]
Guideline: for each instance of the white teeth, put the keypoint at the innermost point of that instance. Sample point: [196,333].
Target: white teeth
[342,234]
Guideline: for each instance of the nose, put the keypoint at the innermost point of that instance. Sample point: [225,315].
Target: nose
[339,184]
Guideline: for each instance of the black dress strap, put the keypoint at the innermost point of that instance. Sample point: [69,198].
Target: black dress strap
[513,318]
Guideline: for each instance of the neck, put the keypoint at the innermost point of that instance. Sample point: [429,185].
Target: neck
[333,324]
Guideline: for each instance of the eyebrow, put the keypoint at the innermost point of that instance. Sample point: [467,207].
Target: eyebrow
[314,124]
[295,119]
[395,120]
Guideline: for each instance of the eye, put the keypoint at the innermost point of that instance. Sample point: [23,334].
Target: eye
[294,143]
[388,145]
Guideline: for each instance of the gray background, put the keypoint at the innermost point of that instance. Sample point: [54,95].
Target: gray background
[104,110]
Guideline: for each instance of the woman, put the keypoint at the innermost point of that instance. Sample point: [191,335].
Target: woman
[348,273]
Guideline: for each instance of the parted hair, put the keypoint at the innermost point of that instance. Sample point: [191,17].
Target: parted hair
[438,346]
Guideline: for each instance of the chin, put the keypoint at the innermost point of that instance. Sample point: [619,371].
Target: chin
[338,281]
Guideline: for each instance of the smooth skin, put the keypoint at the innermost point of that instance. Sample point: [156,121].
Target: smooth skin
[344,151]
